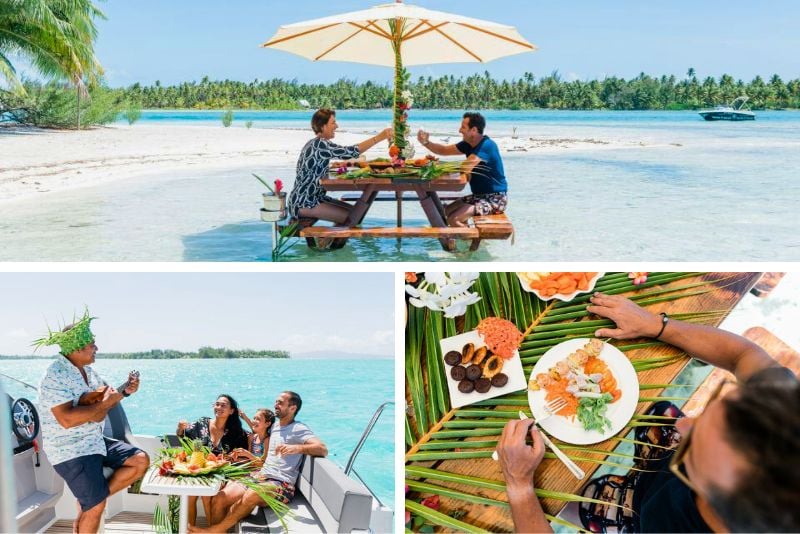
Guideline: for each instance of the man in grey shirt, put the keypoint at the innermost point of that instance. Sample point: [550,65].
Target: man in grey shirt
[288,442]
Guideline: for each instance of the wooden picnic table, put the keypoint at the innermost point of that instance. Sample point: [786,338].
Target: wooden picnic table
[427,193]
[721,295]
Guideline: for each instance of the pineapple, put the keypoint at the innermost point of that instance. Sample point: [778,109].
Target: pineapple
[198,458]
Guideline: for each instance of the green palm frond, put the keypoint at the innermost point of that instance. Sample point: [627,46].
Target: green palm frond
[440,440]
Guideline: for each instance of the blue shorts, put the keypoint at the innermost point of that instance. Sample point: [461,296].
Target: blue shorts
[84,474]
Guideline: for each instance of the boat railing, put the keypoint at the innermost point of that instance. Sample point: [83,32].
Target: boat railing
[367,430]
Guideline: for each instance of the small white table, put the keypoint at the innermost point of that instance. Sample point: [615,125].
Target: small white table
[160,485]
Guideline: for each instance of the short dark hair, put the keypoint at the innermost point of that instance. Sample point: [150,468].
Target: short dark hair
[321,118]
[762,423]
[475,120]
[295,400]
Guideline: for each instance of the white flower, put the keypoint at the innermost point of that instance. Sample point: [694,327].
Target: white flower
[447,292]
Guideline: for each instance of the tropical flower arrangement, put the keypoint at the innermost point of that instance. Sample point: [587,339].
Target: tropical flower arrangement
[446,292]
[196,464]
[275,189]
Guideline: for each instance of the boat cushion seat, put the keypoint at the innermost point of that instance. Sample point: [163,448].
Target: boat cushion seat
[326,497]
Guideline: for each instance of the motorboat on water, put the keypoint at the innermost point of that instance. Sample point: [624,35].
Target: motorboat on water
[33,498]
[736,111]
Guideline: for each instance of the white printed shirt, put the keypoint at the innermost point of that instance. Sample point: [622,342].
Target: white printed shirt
[62,383]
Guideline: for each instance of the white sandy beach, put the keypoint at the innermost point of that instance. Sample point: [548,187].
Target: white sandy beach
[35,162]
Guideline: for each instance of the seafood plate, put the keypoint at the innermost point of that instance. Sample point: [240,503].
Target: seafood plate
[596,380]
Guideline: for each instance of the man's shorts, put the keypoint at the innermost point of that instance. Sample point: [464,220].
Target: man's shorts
[84,474]
[284,492]
[488,203]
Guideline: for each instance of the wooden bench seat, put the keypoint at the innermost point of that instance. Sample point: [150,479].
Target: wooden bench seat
[378,232]
[492,227]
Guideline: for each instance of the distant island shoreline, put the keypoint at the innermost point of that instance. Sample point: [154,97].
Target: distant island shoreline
[203,353]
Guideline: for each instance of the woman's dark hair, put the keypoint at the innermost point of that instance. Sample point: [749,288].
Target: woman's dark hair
[269,417]
[233,426]
[321,118]
[475,120]
[763,424]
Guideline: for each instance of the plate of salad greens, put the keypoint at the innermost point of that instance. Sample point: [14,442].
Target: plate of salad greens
[598,384]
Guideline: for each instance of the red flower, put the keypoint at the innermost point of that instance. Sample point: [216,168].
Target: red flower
[408,516]
[431,502]
[410,278]
[278,186]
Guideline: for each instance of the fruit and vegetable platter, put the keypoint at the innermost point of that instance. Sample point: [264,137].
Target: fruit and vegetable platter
[193,459]
[426,168]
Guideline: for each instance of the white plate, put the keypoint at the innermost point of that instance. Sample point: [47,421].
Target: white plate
[559,296]
[619,413]
[511,368]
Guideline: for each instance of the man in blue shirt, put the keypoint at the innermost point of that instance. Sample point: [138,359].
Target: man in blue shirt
[487,178]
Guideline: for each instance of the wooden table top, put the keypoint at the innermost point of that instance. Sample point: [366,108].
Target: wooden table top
[721,295]
[447,182]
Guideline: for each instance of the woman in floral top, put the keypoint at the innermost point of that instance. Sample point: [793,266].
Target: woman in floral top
[308,198]
[222,434]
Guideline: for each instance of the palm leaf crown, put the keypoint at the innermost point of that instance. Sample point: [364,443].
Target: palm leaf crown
[448,450]
[71,338]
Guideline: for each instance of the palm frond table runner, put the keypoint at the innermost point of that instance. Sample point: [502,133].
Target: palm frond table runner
[448,452]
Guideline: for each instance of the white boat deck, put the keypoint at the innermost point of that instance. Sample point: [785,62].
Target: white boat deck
[127,522]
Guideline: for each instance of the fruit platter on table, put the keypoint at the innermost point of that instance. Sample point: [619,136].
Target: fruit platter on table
[194,459]
[424,169]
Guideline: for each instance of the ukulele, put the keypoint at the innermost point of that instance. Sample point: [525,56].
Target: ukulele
[93,397]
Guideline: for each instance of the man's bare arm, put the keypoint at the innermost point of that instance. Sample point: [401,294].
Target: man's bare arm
[712,345]
[315,447]
[70,416]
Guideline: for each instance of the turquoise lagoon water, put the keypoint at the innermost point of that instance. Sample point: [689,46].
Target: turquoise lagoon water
[339,398]
[650,186]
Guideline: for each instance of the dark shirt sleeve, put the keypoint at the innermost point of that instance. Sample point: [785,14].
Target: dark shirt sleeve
[199,430]
[464,147]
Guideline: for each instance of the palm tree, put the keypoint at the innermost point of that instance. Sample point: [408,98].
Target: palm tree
[55,36]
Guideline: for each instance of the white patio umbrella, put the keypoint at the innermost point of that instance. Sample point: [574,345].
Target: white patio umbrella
[399,34]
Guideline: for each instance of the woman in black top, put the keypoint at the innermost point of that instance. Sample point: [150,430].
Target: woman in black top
[222,434]
[308,198]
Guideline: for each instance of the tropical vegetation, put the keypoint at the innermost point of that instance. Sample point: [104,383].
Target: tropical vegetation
[56,38]
[168,354]
[448,450]
[474,92]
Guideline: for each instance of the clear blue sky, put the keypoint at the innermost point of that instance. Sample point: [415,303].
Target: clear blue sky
[183,40]
[300,312]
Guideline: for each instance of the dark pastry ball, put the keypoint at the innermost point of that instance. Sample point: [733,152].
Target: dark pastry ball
[458,372]
[474,372]
[452,358]
[466,386]
[482,385]
[499,380]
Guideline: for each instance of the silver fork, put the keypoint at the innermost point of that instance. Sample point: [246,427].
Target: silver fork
[550,409]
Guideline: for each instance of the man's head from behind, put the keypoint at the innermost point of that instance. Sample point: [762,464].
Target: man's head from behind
[472,126]
[745,457]
[288,404]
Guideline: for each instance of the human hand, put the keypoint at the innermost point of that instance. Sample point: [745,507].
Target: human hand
[92,397]
[133,385]
[423,137]
[182,426]
[631,319]
[242,414]
[387,133]
[112,395]
[284,449]
[519,460]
